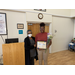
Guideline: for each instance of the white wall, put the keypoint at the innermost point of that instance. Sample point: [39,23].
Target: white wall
[33,17]
[72,12]
[12,19]
[65,30]
[74,29]
[63,12]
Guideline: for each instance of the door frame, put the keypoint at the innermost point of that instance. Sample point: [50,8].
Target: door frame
[50,29]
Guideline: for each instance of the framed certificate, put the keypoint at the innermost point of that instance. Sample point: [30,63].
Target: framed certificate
[41,44]
[20,26]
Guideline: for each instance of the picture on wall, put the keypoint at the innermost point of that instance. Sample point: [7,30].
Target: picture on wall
[3,24]
[40,10]
[20,26]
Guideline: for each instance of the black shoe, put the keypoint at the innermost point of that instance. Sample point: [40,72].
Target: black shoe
[73,49]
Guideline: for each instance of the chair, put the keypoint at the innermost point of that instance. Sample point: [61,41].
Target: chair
[70,46]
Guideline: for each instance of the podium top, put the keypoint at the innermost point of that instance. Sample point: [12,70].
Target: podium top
[13,43]
[12,40]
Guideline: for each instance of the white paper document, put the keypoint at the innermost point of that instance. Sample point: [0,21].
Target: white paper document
[71,43]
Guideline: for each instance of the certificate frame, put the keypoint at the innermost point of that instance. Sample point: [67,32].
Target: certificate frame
[5,23]
[42,48]
[20,26]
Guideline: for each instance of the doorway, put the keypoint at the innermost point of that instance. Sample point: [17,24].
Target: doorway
[35,28]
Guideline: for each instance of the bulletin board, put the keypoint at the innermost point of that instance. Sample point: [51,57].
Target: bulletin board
[3,24]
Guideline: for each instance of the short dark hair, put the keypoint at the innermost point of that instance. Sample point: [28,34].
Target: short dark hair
[42,24]
[28,31]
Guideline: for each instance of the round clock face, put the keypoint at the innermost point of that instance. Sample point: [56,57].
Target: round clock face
[40,16]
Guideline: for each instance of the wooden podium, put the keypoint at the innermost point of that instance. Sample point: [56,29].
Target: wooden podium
[13,54]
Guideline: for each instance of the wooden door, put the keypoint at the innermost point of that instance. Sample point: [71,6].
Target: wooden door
[47,28]
[35,28]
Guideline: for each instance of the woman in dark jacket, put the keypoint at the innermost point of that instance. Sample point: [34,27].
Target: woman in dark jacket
[30,49]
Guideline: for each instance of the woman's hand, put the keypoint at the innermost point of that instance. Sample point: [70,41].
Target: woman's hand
[47,46]
[34,45]
[40,49]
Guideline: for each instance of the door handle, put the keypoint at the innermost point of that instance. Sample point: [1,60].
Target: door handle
[55,31]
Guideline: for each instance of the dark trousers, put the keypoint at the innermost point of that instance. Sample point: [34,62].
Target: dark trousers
[31,60]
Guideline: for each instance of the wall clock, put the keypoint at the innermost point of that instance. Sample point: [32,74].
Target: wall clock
[40,16]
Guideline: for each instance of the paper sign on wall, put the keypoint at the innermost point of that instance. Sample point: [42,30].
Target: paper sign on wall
[20,31]
[3,23]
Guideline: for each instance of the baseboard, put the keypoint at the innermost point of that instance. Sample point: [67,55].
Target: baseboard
[59,50]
